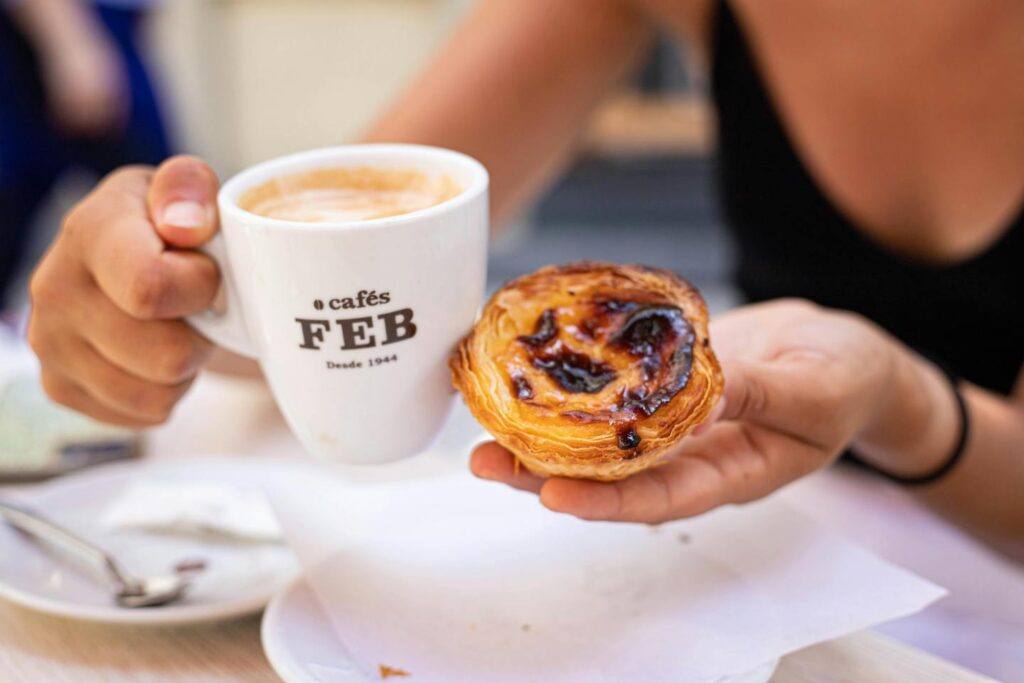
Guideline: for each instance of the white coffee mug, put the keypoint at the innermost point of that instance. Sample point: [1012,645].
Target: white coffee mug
[353,322]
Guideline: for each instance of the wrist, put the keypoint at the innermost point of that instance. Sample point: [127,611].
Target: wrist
[916,424]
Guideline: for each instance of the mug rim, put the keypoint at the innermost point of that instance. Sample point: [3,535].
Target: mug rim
[230,191]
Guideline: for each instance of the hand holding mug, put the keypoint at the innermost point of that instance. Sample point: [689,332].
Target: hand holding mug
[109,295]
[349,273]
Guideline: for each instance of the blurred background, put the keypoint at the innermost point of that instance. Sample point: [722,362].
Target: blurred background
[240,81]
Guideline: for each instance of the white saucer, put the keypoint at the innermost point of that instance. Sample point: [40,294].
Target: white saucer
[240,577]
[301,645]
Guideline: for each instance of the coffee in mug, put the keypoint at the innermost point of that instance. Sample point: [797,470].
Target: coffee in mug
[348,194]
[350,274]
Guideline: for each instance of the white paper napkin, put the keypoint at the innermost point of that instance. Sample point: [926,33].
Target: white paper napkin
[454,579]
[194,508]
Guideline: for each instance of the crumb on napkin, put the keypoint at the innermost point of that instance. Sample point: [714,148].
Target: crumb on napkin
[192,564]
[391,671]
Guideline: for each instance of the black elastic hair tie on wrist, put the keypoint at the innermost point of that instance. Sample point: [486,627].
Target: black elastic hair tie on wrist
[958,450]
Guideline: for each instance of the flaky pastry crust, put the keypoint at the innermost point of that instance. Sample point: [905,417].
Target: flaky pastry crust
[590,370]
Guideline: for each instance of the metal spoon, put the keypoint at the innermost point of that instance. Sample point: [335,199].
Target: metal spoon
[131,591]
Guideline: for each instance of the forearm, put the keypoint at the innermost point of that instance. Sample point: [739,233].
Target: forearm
[985,492]
[916,430]
[513,87]
[54,25]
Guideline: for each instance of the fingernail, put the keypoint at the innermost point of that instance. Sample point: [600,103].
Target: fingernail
[185,214]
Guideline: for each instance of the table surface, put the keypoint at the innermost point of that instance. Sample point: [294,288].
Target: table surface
[37,648]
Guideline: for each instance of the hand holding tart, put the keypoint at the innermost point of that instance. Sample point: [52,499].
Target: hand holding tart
[590,370]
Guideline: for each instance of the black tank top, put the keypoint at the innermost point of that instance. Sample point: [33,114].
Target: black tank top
[792,241]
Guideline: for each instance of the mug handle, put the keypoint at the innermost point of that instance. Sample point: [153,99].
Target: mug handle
[226,326]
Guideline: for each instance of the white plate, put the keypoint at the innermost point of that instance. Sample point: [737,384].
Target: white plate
[299,641]
[301,646]
[240,577]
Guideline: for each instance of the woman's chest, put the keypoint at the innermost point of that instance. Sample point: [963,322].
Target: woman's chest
[909,117]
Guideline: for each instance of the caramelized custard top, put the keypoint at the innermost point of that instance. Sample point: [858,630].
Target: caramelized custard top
[631,354]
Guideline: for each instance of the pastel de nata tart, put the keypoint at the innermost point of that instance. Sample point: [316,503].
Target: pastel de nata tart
[590,370]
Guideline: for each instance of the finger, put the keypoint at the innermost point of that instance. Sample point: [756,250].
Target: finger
[741,462]
[493,462]
[733,463]
[183,201]
[128,260]
[594,500]
[680,489]
[751,461]
[801,397]
[68,394]
[114,388]
[161,351]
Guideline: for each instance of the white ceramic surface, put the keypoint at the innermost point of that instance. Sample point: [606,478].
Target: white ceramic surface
[240,577]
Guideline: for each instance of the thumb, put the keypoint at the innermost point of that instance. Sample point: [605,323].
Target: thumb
[763,393]
[746,394]
[183,201]
[803,401]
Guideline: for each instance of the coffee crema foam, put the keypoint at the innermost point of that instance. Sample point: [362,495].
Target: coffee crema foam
[360,193]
